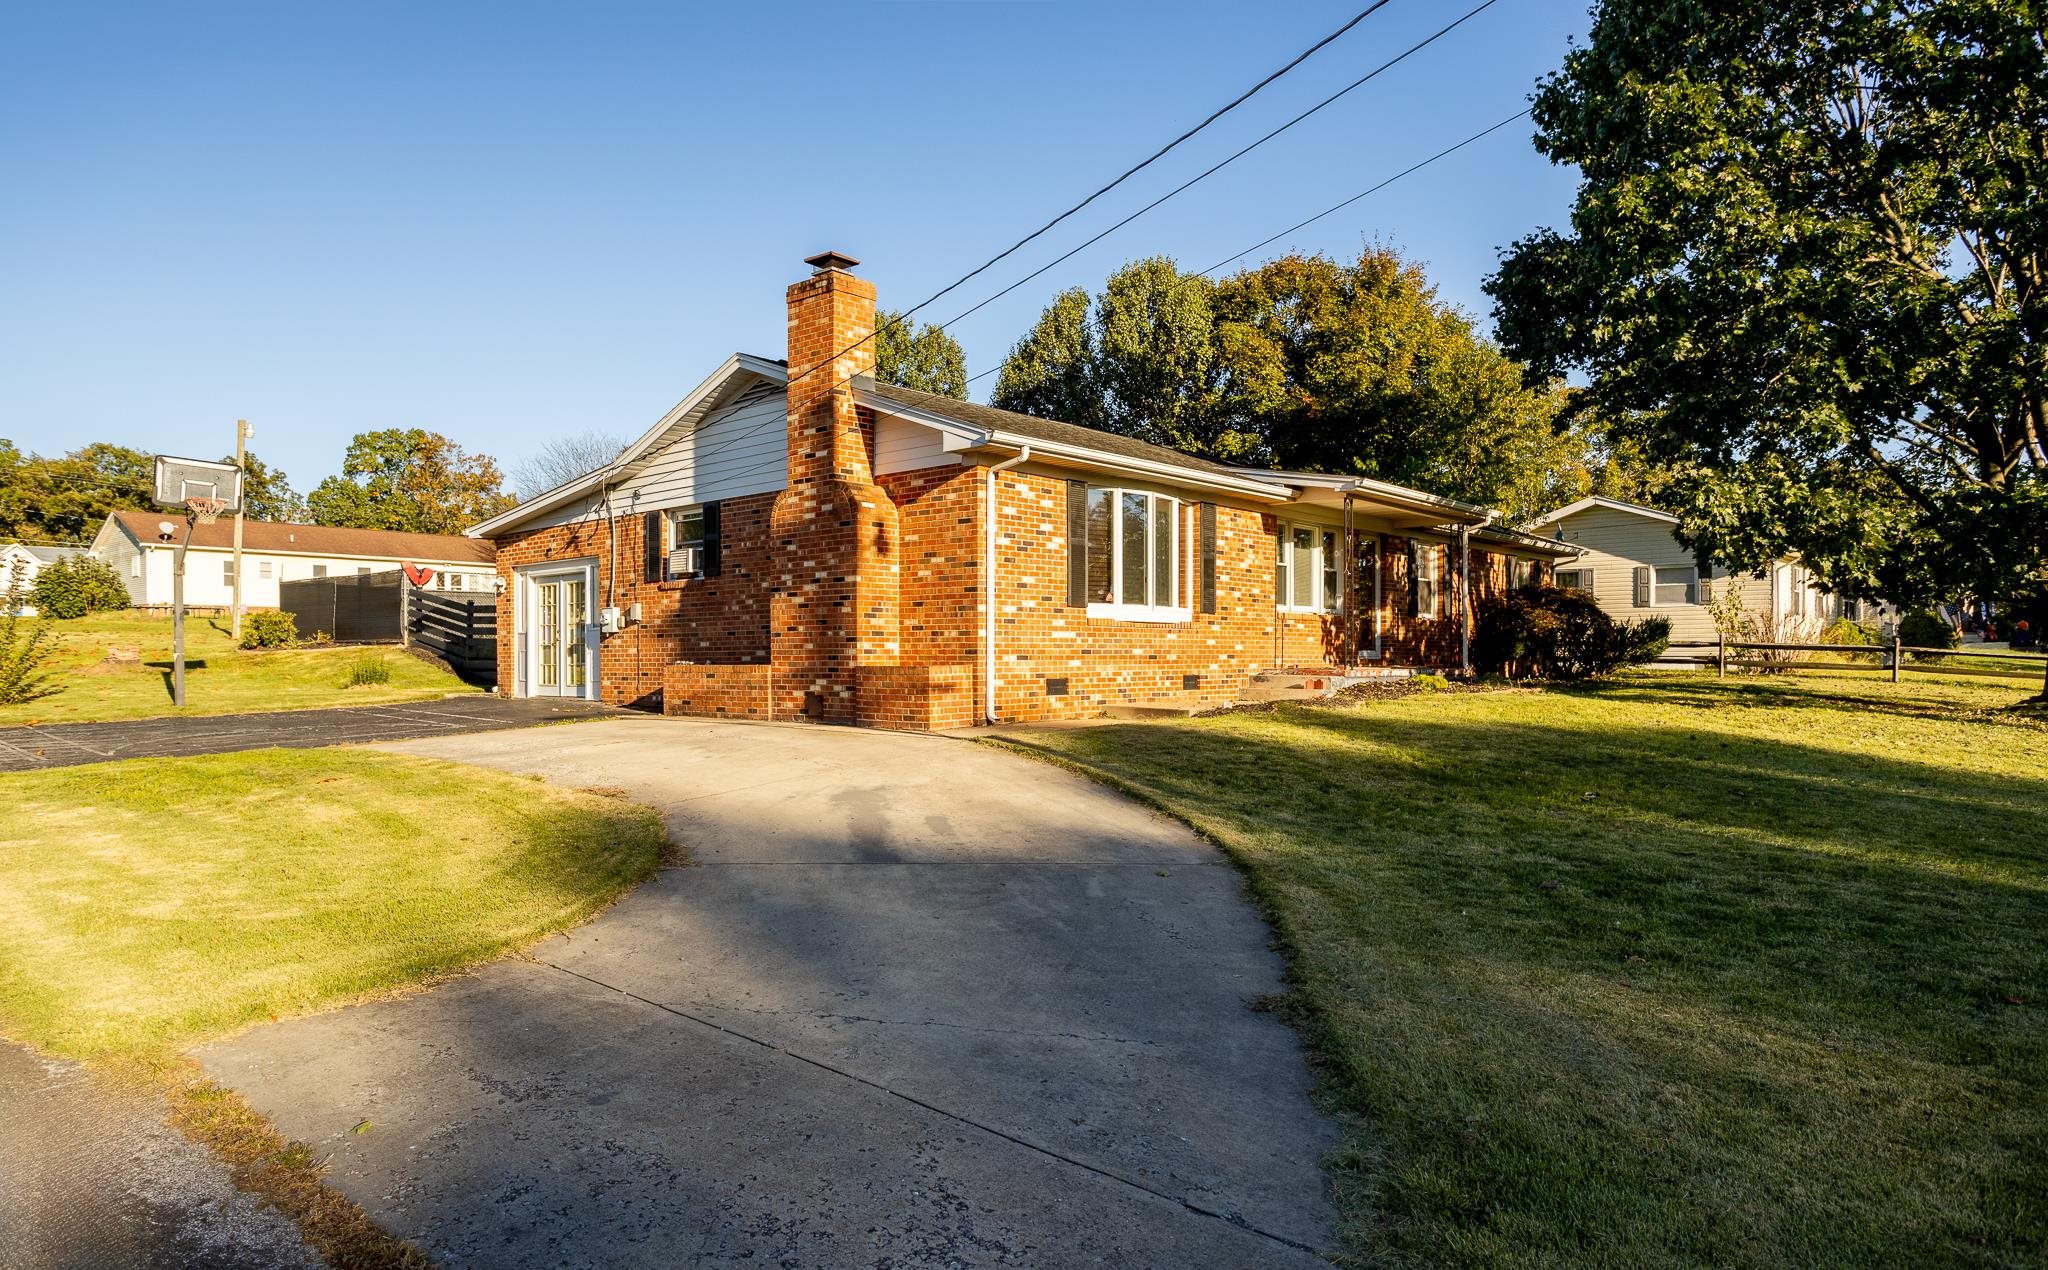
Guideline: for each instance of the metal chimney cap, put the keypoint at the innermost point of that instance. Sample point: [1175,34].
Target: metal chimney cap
[830,260]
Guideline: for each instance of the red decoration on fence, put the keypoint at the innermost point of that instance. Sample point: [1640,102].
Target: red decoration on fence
[418,575]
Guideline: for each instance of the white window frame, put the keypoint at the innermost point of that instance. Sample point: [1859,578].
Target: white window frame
[319,571]
[1657,585]
[673,541]
[263,570]
[1325,554]
[1166,510]
[1436,558]
[227,571]
[1579,572]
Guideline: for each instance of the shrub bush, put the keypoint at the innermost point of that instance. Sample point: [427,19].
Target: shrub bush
[1852,635]
[1927,630]
[367,669]
[77,585]
[269,629]
[1549,632]
[23,647]
[1428,683]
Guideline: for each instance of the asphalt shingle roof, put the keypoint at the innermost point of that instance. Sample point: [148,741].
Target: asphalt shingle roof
[1050,430]
[320,540]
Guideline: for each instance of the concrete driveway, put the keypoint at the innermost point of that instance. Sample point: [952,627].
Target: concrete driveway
[914,1002]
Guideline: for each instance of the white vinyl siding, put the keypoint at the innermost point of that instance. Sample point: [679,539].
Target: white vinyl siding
[903,446]
[1617,544]
[739,450]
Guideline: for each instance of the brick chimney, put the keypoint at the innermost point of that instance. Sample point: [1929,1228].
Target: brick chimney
[831,340]
[834,608]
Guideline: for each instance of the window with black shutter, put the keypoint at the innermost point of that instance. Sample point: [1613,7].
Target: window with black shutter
[1077,544]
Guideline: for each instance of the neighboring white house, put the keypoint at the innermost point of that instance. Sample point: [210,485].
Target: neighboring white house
[29,558]
[274,552]
[1632,564]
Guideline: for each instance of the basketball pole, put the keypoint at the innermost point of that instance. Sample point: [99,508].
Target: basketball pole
[178,614]
[242,431]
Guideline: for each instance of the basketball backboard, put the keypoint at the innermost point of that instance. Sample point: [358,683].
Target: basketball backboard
[180,480]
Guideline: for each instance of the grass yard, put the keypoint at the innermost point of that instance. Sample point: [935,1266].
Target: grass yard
[149,905]
[1668,971]
[219,678]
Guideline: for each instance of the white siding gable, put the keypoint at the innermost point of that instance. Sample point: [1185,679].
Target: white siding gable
[904,446]
[1615,542]
[741,449]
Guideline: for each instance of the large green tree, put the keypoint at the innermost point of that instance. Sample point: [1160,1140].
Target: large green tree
[410,479]
[1808,268]
[267,493]
[66,499]
[921,357]
[1304,362]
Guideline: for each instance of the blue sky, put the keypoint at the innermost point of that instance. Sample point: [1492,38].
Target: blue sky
[506,221]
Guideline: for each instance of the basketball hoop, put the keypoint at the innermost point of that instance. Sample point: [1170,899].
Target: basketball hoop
[206,510]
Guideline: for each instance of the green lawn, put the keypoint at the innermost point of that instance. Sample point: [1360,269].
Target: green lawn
[148,905]
[219,678]
[1665,972]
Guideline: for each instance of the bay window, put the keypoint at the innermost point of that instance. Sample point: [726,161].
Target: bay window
[1133,555]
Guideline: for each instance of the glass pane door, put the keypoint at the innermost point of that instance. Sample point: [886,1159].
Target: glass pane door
[547,629]
[575,617]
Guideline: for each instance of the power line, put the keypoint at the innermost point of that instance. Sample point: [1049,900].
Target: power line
[1123,176]
[1206,173]
[1338,207]
[1370,75]
[1410,170]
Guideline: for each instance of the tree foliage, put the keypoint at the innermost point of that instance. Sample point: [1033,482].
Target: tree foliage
[267,493]
[75,586]
[1808,269]
[66,499]
[1309,363]
[563,459]
[922,357]
[25,647]
[409,479]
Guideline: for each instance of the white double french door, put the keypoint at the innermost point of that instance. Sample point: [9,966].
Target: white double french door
[560,639]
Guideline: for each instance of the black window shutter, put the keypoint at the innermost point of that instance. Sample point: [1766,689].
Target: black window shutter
[714,540]
[1077,544]
[655,572]
[1414,578]
[1207,535]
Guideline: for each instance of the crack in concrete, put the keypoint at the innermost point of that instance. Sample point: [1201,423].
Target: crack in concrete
[862,1018]
[1229,1219]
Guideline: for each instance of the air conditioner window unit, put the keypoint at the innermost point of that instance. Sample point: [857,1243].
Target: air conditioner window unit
[685,562]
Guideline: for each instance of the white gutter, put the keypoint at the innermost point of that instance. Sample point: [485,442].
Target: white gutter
[988,584]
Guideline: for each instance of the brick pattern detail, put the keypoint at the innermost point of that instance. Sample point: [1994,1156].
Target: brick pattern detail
[736,692]
[923,697]
[834,532]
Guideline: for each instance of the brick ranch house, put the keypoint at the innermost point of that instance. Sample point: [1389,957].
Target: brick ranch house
[795,541]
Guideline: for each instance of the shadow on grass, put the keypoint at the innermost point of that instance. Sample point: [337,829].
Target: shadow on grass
[1711,996]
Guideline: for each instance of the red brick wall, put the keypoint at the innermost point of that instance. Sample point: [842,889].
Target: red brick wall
[719,620]
[696,637]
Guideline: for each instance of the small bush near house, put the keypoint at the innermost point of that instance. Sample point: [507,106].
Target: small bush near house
[1852,635]
[1549,632]
[76,586]
[269,630]
[368,669]
[1927,630]
[1428,683]
[24,647]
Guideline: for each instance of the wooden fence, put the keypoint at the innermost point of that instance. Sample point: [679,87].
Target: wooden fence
[459,631]
[1893,659]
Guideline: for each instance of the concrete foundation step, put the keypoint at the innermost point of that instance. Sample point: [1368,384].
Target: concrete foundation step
[1312,684]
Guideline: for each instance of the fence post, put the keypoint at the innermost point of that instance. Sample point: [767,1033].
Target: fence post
[1722,657]
[1897,657]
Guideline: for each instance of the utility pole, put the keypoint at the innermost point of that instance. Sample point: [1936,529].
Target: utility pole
[242,433]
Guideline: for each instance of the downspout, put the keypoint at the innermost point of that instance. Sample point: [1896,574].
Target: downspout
[1347,589]
[1465,593]
[988,578]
